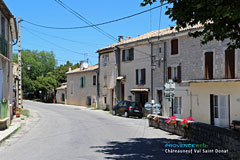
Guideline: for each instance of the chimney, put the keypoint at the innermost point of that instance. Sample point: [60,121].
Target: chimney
[120,38]
[128,37]
[81,65]
[69,68]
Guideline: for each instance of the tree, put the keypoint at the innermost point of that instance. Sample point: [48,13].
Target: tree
[220,18]
[60,72]
[40,64]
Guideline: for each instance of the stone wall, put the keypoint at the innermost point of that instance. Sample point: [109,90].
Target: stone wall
[215,137]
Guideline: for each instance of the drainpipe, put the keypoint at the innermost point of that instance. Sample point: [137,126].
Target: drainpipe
[97,77]
[152,73]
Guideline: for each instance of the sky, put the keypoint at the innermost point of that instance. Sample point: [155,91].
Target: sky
[79,44]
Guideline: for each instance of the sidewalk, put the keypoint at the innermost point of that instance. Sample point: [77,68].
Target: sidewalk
[14,126]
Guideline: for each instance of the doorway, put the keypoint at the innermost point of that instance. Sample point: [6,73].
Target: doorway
[220,110]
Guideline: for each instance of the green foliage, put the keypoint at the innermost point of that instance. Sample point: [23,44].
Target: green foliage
[45,83]
[40,64]
[25,112]
[219,17]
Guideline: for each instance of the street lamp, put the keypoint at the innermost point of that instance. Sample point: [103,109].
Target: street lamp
[28,67]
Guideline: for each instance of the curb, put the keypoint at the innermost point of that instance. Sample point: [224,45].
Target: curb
[9,131]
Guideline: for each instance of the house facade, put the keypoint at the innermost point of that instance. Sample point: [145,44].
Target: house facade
[7,35]
[107,78]
[61,94]
[206,76]
[82,86]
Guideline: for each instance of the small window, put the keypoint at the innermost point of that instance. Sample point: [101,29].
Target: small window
[105,60]
[177,105]
[94,80]
[140,76]
[105,81]
[174,73]
[105,100]
[128,55]
[3,27]
[82,82]
[174,47]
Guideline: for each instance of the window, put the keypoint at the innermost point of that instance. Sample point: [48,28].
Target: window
[230,64]
[71,88]
[105,81]
[82,82]
[128,55]
[177,105]
[105,100]
[105,60]
[94,80]
[140,76]
[174,47]
[174,73]
[209,65]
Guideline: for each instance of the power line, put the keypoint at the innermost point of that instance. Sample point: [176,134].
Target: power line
[53,43]
[98,24]
[82,18]
[54,36]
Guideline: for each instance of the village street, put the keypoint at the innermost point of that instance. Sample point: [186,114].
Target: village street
[60,132]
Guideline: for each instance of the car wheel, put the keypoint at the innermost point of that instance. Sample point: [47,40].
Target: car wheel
[140,117]
[125,114]
[114,112]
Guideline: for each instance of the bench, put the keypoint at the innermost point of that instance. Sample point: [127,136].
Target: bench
[235,123]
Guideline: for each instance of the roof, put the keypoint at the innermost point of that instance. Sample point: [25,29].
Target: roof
[62,87]
[4,9]
[89,69]
[211,80]
[153,34]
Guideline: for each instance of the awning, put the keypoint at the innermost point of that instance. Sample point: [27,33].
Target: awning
[140,90]
[120,78]
[211,80]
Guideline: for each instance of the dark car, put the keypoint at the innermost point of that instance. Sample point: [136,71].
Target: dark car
[128,108]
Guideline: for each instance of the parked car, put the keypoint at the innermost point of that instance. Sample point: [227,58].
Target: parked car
[128,108]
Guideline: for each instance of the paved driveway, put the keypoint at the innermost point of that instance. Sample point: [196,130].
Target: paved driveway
[62,132]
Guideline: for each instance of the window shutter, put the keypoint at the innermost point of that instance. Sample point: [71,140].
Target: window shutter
[179,74]
[211,110]
[174,46]
[123,55]
[84,82]
[230,64]
[81,82]
[169,73]
[131,54]
[143,77]
[136,76]
[209,65]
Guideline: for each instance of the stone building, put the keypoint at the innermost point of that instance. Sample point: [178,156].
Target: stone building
[7,36]
[82,85]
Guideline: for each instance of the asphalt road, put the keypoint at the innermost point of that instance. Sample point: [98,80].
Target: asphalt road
[63,132]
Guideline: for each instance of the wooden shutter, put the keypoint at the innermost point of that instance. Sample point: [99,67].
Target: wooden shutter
[84,82]
[143,76]
[211,110]
[174,46]
[169,73]
[131,54]
[81,82]
[209,65]
[179,74]
[123,55]
[136,76]
[230,64]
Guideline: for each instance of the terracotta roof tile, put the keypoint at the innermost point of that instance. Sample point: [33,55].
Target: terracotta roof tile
[78,70]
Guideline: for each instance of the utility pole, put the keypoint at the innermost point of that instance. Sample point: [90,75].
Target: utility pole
[19,66]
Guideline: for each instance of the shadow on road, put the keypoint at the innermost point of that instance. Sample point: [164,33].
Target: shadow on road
[149,148]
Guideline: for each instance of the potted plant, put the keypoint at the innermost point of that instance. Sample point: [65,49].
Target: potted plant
[172,121]
[150,117]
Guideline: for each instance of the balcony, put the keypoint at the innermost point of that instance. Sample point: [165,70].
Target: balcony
[3,47]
